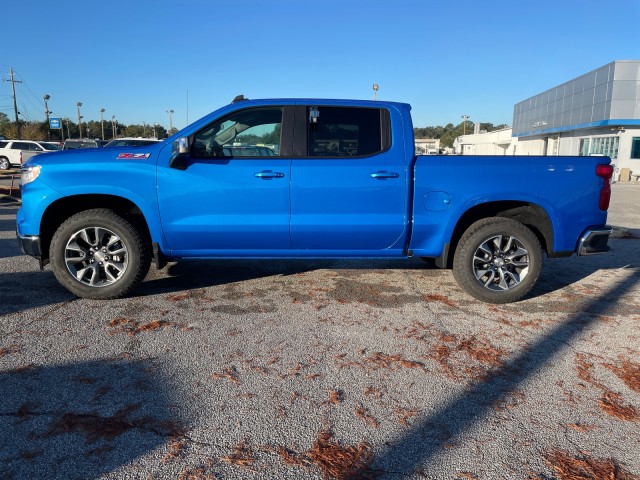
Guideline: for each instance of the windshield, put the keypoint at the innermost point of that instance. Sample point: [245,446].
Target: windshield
[71,145]
[130,143]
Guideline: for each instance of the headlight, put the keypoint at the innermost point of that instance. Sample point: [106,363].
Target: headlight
[29,174]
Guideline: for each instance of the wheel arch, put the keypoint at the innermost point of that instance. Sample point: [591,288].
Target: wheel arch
[529,214]
[61,209]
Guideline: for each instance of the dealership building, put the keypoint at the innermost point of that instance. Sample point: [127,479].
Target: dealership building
[597,113]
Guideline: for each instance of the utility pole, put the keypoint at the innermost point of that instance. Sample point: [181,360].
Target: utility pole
[46,113]
[15,103]
[79,104]
[170,112]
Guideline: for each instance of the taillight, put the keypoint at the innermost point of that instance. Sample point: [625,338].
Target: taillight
[20,157]
[605,172]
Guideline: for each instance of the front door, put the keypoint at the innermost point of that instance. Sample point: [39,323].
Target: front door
[233,196]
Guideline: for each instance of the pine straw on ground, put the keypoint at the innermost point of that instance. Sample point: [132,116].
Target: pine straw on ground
[335,461]
[628,372]
[568,467]
[241,456]
[612,404]
[132,327]
[95,427]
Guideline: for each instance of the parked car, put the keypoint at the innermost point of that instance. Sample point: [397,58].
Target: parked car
[131,142]
[75,144]
[14,152]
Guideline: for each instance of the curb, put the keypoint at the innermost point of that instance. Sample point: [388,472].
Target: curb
[9,200]
[620,232]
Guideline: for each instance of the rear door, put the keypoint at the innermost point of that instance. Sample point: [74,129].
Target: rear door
[348,182]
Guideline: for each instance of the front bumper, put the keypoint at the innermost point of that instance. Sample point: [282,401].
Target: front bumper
[594,240]
[30,244]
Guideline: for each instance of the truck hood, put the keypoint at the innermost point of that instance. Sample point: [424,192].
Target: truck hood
[80,157]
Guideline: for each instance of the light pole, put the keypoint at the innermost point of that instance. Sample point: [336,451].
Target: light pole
[113,127]
[144,129]
[102,121]
[79,104]
[375,91]
[464,124]
[170,112]
[46,114]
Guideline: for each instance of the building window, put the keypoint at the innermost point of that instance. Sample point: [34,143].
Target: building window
[607,146]
[635,147]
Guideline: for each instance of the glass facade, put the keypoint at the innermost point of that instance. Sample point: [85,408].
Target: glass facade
[597,98]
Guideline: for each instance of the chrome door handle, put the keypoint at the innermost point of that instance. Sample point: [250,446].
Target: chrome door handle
[269,174]
[385,175]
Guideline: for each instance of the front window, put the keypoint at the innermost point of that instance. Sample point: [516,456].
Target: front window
[253,132]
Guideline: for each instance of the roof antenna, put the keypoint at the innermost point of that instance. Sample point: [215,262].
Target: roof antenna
[239,98]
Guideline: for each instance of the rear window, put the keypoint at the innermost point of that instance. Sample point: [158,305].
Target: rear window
[344,132]
[73,145]
[50,146]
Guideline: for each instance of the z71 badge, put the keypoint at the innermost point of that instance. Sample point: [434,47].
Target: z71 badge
[133,156]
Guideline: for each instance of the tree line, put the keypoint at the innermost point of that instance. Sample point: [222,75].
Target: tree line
[41,131]
[450,132]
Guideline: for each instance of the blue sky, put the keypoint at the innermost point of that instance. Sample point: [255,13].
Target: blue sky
[138,59]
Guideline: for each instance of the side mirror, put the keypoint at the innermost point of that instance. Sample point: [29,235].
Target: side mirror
[182,145]
[180,153]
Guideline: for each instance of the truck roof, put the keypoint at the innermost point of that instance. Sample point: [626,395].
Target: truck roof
[320,101]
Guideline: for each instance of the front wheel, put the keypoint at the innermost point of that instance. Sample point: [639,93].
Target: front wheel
[498,260]
[97,254]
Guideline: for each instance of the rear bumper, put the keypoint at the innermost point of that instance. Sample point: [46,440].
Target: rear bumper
[594,240]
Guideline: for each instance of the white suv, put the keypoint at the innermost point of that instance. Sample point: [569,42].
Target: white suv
[15,152]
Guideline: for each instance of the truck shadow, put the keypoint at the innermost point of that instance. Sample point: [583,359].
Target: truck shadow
[82,420]
[424,440]
[191,274]
[32,288]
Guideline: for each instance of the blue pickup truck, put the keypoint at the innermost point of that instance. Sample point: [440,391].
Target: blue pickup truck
[307,178]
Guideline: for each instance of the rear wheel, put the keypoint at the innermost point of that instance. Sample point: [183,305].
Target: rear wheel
[4,163]
[97,254]
[498,260]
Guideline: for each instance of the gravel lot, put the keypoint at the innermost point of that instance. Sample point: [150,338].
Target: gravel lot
[323,369]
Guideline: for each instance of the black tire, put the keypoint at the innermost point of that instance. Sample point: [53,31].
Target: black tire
[4,163]
[97,254]
[498,260]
